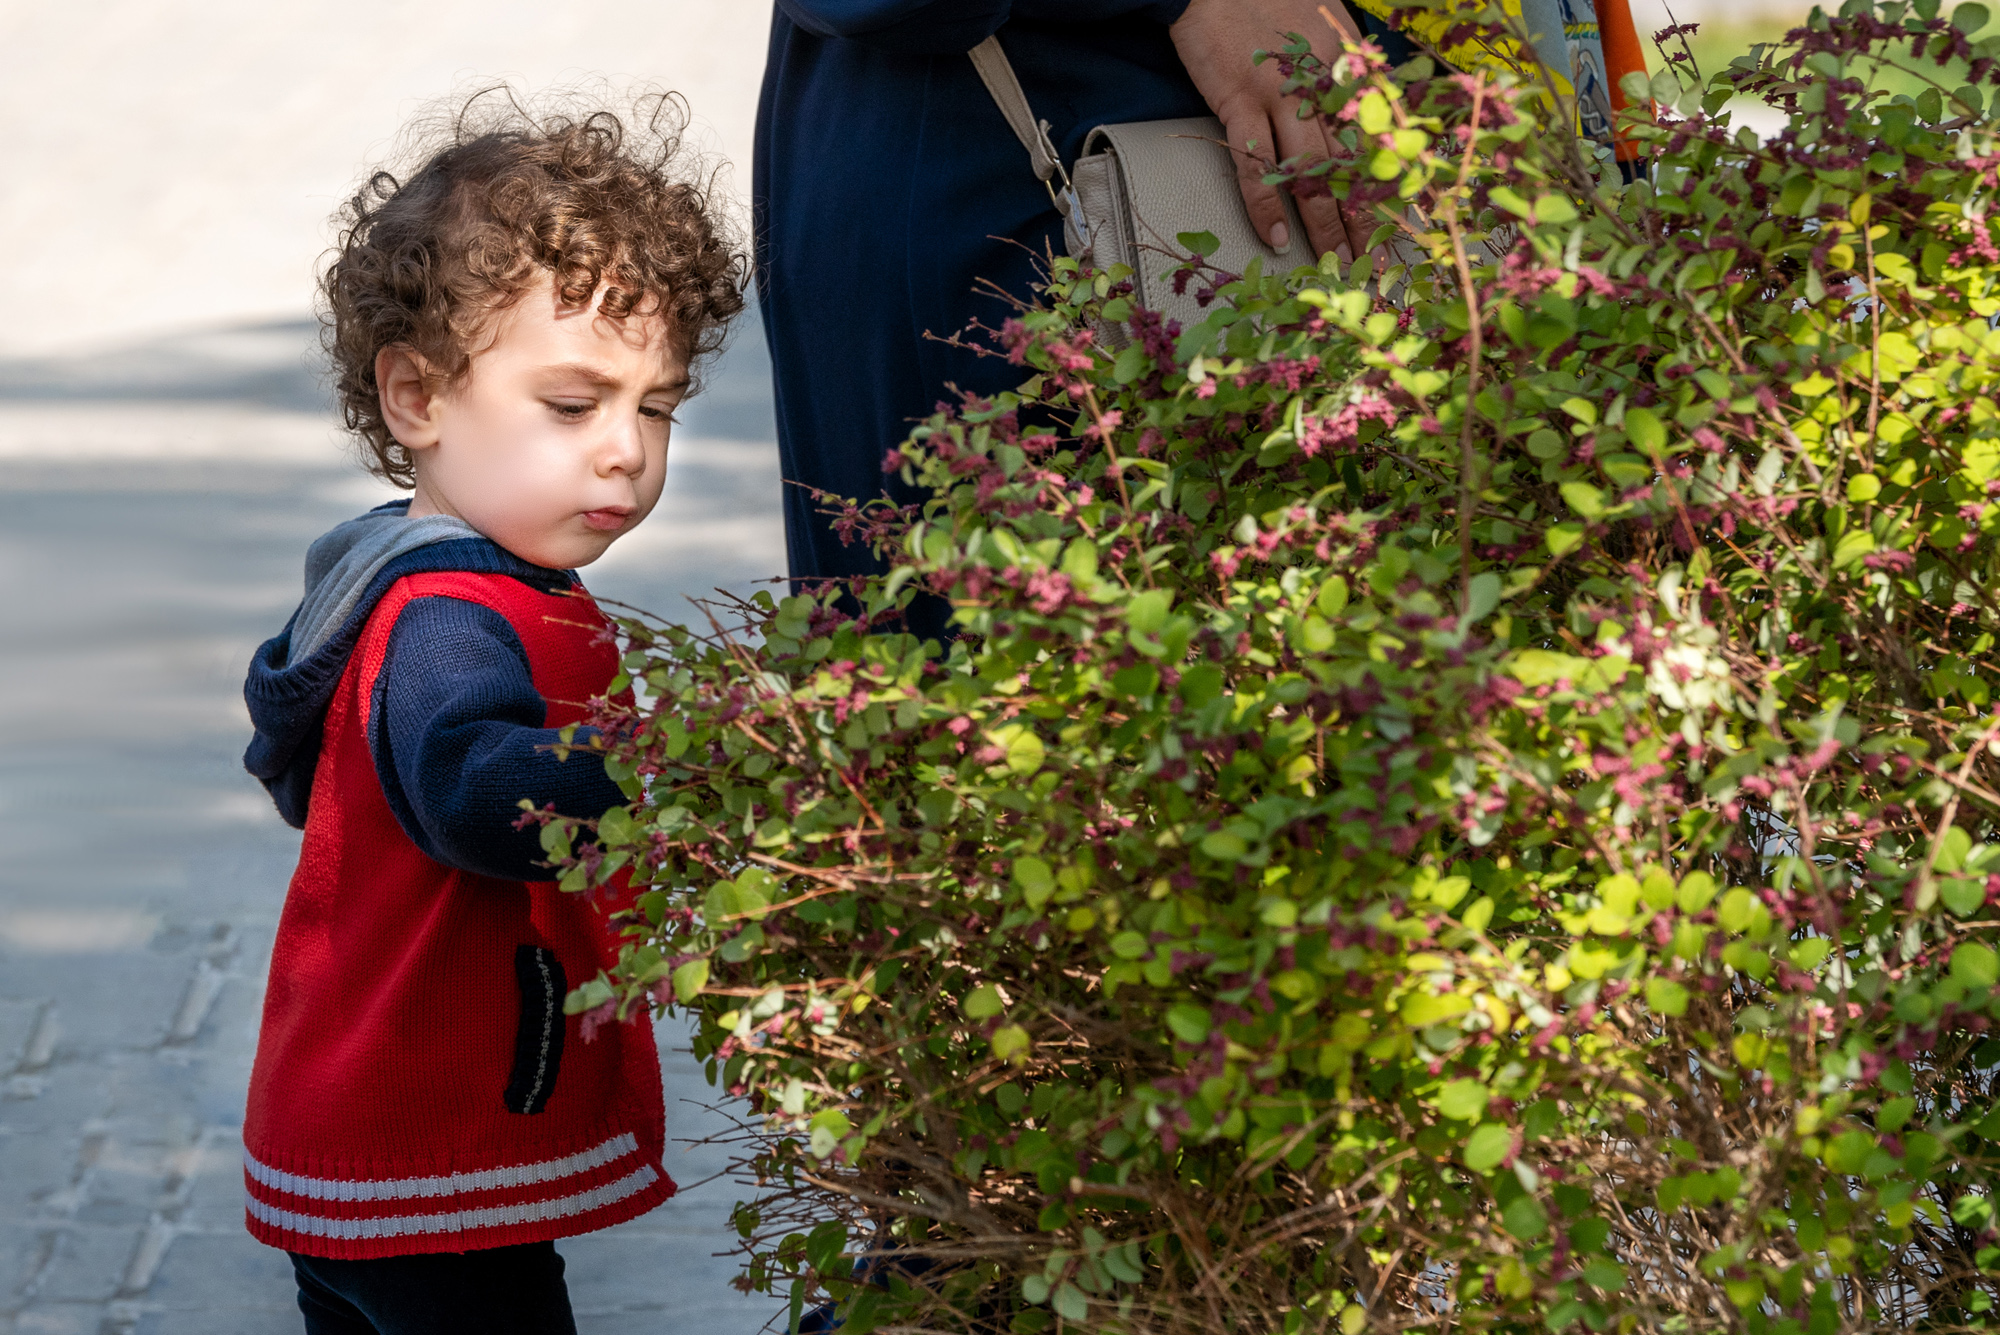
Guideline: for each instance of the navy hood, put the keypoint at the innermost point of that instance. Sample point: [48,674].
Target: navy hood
[293,674]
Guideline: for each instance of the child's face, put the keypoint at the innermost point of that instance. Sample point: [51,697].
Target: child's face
[554,444]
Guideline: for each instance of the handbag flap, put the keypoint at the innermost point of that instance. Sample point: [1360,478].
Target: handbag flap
[1178,176]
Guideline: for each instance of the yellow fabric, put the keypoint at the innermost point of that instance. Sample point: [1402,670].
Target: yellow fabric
[1427,25]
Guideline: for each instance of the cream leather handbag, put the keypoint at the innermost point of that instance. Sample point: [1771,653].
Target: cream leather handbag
[1137,186]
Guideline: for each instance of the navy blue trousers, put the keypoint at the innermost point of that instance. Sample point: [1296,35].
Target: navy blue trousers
[499,1291]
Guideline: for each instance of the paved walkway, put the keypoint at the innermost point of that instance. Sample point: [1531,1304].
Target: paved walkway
[148,546]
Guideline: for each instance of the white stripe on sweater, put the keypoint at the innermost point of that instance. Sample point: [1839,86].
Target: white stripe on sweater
[404,1188]
[457,1221]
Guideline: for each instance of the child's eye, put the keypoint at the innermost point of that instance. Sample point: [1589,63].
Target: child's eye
[655,414]
[570,412]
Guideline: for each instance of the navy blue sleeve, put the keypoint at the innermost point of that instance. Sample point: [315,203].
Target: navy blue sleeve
[938,27]
[456,731]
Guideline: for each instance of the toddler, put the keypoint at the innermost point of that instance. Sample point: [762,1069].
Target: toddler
[512,326]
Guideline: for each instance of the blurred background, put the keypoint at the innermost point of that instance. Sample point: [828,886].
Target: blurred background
[165,456]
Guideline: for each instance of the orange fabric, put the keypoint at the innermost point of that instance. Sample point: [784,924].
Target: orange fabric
[1622,56]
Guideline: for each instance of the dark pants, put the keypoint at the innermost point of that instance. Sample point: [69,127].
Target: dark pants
[500,1291]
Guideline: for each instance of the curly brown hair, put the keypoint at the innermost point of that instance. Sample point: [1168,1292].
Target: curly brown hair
[502,195]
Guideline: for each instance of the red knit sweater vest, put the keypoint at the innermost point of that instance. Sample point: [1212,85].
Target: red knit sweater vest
[417,1086]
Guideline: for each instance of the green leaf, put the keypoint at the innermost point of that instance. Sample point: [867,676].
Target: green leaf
[1443,891]
[1200,243]
[1129,945]
[1953,845]
[1136,682]
[1554,209]
[1463,1100]
[1894,1113]
[1525,1218]
[1427,1008]
[1736,909]
[1037,882]
[1373,114]
[755,889]
[1010,1043]
[1583,498]
[824,1245]
[1223,845]
[1666,997]
[1643,426]
[616,827]
[1488,1147]
[1975,965]
[1189,1022]
[1697,890]
[1604,1273]
[983,1002]
[1023,748]
[1070,1304]
[1147,612]
[1563,538]
[689,979]
[1483,596]
[1853,545]
[1130,364]
[827,1129]
[1542,667]
[1962,895]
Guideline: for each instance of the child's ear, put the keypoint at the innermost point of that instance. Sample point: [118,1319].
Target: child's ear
[409,403]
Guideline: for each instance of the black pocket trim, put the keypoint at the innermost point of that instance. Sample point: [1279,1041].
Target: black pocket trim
[538,1043]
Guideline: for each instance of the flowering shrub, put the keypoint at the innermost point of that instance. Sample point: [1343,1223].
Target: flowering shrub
[1465,796]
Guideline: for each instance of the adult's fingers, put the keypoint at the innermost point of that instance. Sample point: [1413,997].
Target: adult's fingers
[1326,225]
[1248,127]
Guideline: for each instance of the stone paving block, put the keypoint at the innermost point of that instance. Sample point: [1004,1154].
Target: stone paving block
[33,1170]
[217,1209]
[618,1271]
[215,1192]
[59,1319]
[222,1318]
[24,1250]
[144,991]
[202,1269]
[18,1018]
[87,1265]
[204,1085]
[132,1175]
[120,1200]
[667,1321]
[60,1110]
[239,1004]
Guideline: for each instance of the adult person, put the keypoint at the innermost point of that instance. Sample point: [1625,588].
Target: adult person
[888,188]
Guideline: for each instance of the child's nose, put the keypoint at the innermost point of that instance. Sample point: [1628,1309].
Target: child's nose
[623,449]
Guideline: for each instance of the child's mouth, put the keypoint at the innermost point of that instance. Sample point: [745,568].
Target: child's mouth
[608,520]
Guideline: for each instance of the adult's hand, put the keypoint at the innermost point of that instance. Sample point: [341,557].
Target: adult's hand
[1216,39]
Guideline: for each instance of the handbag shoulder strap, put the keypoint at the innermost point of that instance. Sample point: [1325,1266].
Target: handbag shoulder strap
[997,73]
